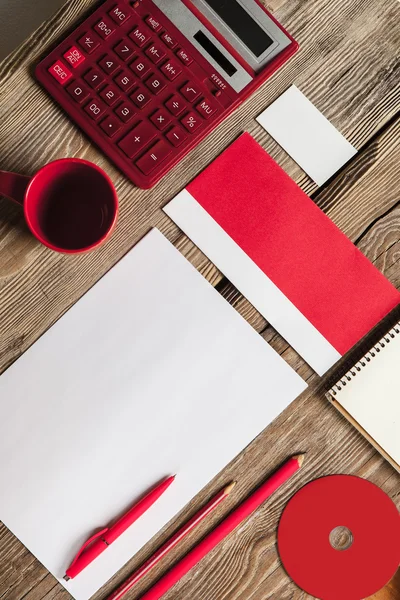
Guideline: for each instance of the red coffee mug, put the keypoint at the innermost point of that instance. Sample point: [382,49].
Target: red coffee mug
[70,205]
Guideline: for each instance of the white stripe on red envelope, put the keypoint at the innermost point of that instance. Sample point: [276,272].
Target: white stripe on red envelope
[283,253]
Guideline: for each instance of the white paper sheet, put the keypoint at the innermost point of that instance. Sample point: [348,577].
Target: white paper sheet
[306,135]
[151,373]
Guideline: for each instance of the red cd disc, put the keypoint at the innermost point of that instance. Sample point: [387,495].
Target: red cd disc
[304,538]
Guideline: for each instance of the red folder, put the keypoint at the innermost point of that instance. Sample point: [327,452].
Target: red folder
[283,253]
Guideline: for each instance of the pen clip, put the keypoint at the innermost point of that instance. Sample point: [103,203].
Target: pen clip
[87,543]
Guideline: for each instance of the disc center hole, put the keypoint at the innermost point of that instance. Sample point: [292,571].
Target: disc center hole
[341,538]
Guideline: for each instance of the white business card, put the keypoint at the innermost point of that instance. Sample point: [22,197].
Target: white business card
[306,135]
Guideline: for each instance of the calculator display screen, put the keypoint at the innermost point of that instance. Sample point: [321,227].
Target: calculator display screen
[216,54]
[242,24]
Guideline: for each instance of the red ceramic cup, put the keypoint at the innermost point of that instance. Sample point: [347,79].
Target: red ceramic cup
[70,205]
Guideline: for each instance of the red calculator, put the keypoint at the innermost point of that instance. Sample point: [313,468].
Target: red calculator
[147,80]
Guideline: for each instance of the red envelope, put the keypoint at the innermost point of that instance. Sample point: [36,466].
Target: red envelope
[283,253]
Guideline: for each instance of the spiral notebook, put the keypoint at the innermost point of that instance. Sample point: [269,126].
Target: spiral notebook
[368,395]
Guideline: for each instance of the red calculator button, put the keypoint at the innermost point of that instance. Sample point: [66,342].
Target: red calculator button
[140,36]
[206,108]
[140,97]
[124,50]
[190,91]
[175,105]
[155,53]
[176,136]
[60,73]
[153,157]
[119,14]
[78,91]
[153,23]
[137,138]
[125,81]
[191,122]
[95,109]
[161,119]
[109,65]
[110,94]
[125,111]
[171,69]
[89,42]
[168,40]
[110,125]
[94,78]
[104,28]
[184,57]
[155,84]
[140,67]
[74,57]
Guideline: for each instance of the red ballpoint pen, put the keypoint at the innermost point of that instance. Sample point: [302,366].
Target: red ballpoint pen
[99,542]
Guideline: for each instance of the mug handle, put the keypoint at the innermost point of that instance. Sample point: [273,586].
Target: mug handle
[13,186]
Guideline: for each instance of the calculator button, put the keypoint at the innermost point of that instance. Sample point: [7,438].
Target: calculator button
[176,136]
[109,65]
[153,157]
[124,50]
[78,91]
[140,36]
[171,69]
[119,14]
[153,23]
[60,72]
[155,84]
[140,67]
[184,57]
[94,78]
[191,122]
[125,111]
[190,91]
[110,94]
[161,119]
[206,108]
[155,53]
[175,105]
[95,109]
[110,125]
[168,40]
[125,81]
[74,57]
[141,97]
[137,138]
[89,42]
[104,28]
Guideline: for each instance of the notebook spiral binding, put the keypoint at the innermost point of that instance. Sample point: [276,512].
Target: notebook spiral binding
[364,360]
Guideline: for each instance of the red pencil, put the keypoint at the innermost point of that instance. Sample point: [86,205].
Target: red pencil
[99,542]
[222,530]
[171,543]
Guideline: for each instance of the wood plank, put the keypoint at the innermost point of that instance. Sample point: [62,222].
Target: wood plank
[351,76]
[252,558]
[338,41]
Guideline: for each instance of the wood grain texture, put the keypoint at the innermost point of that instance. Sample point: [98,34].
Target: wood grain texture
[349,67]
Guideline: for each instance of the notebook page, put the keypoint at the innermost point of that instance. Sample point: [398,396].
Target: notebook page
[151,373]
[372,397]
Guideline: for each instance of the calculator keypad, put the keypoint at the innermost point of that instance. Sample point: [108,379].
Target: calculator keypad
[132,82]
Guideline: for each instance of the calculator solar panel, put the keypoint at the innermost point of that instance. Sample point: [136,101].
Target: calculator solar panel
[143,91]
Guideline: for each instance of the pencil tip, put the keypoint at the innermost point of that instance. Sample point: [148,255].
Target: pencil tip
[229,488]
[300,458]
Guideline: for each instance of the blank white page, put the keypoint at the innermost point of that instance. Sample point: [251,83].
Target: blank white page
[372,396]
[151,373]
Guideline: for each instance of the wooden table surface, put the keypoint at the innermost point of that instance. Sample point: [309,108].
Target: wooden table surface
[349,67]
